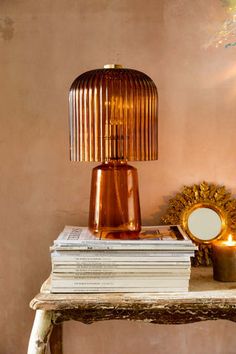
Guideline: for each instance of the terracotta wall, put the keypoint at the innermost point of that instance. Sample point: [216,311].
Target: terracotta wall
[43,46]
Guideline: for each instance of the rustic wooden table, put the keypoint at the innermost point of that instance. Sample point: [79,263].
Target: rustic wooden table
[206,300]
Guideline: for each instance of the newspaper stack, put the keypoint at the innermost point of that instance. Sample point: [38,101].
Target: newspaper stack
[157,262]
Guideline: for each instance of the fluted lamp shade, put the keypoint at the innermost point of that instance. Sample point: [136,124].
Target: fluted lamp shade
[113,119]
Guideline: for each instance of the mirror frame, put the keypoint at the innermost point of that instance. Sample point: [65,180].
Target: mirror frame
[195,196]
[223,217]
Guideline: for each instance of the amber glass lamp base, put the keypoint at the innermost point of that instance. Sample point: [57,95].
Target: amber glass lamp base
[114,201]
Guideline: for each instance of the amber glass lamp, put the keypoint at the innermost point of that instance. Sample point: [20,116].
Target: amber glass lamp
[113,119]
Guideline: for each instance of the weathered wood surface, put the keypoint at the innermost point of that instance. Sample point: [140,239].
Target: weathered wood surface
[40,334]
[206,300]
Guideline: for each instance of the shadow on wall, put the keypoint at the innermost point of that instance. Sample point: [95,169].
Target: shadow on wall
[155,218]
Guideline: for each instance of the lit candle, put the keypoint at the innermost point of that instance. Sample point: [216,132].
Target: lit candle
[224,260]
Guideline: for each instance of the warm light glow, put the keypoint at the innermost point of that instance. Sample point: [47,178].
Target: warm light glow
[226,34]
[230,241]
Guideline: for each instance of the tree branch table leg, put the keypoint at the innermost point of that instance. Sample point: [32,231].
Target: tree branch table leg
[55,341]
[40,333]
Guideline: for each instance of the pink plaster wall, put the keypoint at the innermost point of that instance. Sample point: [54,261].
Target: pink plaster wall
[43,46]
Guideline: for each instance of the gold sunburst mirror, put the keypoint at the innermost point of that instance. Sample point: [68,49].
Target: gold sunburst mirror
[206,212]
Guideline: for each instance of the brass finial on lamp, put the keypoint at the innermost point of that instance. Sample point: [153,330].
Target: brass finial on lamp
[113,119]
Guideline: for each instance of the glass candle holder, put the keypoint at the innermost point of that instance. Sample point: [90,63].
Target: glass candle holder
[224,260]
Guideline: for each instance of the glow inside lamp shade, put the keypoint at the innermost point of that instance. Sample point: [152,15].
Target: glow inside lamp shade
[113,119]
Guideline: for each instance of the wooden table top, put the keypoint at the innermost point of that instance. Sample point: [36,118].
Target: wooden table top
[206,300]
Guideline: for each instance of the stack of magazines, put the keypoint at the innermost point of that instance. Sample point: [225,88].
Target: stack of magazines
[159,261]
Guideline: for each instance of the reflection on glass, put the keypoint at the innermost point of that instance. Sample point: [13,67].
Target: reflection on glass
[204,223]
[114,201]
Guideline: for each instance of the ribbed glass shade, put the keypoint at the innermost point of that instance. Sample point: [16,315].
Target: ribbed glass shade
[113,115]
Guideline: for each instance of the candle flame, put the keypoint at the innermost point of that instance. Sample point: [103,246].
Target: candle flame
[230,241]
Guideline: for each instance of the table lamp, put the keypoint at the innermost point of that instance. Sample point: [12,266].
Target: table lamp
[113,119]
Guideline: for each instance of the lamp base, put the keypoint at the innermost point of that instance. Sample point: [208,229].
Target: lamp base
[114,201]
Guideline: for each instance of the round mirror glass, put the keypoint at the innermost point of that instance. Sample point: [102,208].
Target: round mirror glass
[204,223]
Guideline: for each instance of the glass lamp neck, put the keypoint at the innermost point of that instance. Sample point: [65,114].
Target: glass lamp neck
[115,162]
